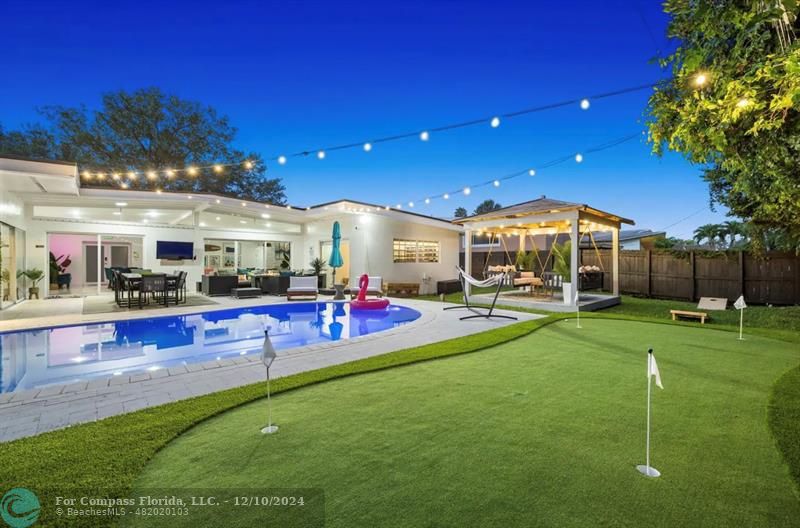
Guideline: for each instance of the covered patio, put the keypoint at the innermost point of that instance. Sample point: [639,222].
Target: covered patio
[539,225]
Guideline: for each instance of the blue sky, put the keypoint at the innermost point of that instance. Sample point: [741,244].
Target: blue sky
[302,75]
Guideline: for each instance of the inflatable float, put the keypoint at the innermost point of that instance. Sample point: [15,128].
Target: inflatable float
[362,303]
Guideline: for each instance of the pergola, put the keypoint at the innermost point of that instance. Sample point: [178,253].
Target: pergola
[545,216]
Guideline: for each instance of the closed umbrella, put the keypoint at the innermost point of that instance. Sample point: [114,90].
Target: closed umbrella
[335,260]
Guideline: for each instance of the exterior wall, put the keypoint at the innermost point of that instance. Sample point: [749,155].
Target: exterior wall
[371,238]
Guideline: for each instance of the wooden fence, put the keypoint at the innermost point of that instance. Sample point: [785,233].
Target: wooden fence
[771,279]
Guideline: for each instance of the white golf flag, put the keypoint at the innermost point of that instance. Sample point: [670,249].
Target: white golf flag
[652,370]
[268,353]
[740,304]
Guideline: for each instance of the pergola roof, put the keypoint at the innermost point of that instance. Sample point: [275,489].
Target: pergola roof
[541,206]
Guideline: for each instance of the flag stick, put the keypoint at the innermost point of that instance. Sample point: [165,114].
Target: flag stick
[577,306]
[646,469]
[269,429]
[741,323]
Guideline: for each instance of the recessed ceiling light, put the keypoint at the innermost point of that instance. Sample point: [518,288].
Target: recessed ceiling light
[218,200]
[117,213]
[202,224]
[242,221]
[264,215]
[121,204]
[217,218]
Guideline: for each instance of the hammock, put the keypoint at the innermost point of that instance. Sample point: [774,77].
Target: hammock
[465,278]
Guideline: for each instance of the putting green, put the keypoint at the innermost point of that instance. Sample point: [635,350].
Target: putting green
[542,431]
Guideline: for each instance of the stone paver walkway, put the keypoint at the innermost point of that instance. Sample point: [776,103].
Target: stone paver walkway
[30,412]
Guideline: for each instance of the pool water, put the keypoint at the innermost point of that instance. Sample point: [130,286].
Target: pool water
[67,354]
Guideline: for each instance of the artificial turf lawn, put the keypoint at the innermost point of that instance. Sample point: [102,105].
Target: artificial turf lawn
[543,430]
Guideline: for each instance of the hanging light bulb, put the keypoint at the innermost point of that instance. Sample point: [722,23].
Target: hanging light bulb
[151,175]
[87,175]
[217,168]
[700,79]
[467,191]
[101,176]
[578,157]
[585,104]
[321,154]
[743,103]
[367,147]
[169,173]
[427,201]
[248,164]
[446,196]
[496,183]
[131,175]
[124,185]
[424,135]
[115,176]
[411,204]
[532,172]
[495,122]
[282,160]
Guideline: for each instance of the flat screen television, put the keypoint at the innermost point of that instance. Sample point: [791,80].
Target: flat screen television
[174,250]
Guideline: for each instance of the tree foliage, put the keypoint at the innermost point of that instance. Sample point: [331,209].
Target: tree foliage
[149,130]
[732,104]
[460,212]
[487,206]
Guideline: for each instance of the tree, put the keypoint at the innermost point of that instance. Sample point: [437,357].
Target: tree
[149,130]
[732,229]
[487,206]
[460,212]
[711,233]
[731,105]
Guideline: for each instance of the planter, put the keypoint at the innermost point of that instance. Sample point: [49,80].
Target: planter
[568,292]
[33,291]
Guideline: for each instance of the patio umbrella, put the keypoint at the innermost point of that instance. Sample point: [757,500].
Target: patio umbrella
[335,260]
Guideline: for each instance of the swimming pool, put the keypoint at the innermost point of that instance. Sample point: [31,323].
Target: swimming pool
[67,354]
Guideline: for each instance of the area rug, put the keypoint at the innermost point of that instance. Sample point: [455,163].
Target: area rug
[101,305]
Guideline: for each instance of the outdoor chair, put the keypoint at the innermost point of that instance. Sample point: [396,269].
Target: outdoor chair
[176,289]
[498,280]
[155,286]
[552,283]
[374,287]
[302,287]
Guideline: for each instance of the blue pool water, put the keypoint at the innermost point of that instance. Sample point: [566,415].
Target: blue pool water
[35,358]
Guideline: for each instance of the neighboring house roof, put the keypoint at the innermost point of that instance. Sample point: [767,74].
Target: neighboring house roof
[628,235]
[541,205]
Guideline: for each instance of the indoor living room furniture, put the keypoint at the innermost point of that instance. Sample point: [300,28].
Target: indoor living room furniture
[219,284]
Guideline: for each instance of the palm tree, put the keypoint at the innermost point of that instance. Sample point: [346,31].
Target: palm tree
[709,232]
[733,229]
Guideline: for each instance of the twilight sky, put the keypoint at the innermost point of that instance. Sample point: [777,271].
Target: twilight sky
[298,76]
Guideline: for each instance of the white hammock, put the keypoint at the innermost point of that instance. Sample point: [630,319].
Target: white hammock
[491,281]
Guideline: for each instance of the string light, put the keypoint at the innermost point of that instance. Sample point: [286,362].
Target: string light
[248,164]
[115,176]
[467,191]
[585,104]
[446,196]
[578,158]
[131,175]
[101,176]
[495,122]
[531,172]
[170,173]
[743,102]
[321,154]
[367,147]
[427,201]
[217,168]
[152,175]
[496,183]
[411,204]
[282,160]
[424,135]
[700,79]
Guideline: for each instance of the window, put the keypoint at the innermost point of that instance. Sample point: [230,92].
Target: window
[415,251]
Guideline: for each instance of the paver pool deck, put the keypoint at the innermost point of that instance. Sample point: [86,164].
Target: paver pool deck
[30,412]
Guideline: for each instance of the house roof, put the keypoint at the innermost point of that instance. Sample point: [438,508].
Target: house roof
[542,205]
[629,234]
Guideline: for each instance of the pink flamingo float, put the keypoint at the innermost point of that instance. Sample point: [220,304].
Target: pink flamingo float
[361,302]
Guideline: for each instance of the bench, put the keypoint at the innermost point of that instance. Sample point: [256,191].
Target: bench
[402,289]
[689,315]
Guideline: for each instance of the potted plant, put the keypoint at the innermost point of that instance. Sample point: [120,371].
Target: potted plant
[5,277]
[318,265]
[34,275]
[58,267]
[562,266]
[521,261]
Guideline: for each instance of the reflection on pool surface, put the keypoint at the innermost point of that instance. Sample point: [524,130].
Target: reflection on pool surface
[34,358]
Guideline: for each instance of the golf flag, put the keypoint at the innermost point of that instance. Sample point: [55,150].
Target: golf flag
[268,353]
[652,370]
[740,304]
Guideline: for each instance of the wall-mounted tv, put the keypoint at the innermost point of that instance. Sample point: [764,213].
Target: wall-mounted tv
[174,250]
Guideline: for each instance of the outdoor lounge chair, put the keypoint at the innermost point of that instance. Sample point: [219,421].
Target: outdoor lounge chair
[498,280]
[527,278]
[374,287]
[302,287]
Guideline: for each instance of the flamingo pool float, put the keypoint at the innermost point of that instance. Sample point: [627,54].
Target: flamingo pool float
[362,303]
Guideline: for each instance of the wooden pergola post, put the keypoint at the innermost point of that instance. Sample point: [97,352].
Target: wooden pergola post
[574,236]
[615,260]
[467,258]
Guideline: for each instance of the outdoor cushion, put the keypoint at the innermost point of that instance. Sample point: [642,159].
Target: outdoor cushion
[303,284]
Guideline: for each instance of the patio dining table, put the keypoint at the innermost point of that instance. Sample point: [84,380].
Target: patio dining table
[131,279]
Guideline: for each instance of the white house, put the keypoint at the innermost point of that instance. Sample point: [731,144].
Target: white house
[44,209]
